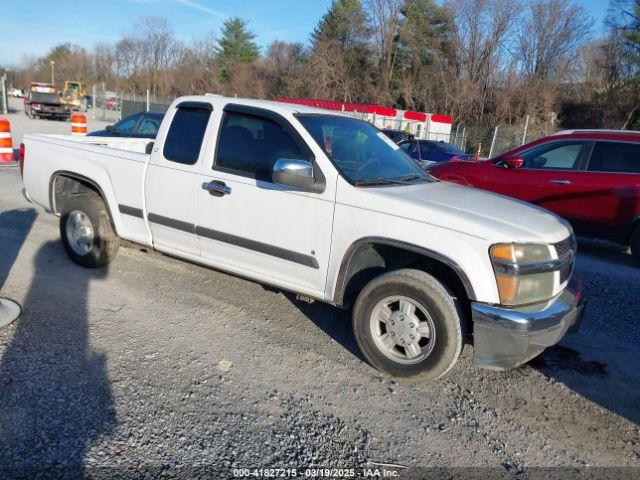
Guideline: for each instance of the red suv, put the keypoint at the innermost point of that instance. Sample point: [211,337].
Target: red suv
[589,177]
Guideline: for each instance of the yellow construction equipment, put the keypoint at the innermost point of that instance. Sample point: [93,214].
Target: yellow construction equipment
[73,94]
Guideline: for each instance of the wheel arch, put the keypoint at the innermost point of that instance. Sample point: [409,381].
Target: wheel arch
[371,256]
[76,184]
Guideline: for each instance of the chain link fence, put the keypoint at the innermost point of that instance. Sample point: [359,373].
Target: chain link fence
[490,141]
[134,103]
[113,105]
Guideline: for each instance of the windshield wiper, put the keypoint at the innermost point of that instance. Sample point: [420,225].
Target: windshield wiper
[380,181]
[406,180]
[413,176]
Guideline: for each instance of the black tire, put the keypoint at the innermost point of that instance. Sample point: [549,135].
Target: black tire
[442,307]
[105,242]
[634,244]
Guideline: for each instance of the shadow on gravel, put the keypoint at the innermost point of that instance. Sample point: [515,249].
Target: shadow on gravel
[609,252]
[15,226]
[331,320]
[611,387]
[600,361]
[55,397]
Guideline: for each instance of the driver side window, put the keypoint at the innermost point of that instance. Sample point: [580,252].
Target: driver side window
[249,146]
[555,156]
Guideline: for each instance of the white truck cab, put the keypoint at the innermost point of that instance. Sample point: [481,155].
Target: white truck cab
[328,207]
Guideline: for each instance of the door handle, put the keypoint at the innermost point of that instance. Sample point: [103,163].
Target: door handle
[216,188]
[561,182]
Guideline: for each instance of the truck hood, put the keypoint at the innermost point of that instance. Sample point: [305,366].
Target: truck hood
[468,210]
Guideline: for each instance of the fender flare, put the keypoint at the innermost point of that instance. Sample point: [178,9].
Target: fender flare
[84,179]
[341,281]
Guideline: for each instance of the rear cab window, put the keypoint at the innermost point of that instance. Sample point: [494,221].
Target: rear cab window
[186,133]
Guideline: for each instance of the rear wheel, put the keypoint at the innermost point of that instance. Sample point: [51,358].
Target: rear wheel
[407,324]
[635,244]
[87,232]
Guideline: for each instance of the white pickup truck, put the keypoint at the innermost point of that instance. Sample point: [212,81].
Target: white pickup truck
[325,206]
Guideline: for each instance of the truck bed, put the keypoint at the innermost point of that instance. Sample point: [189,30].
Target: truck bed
[119,163]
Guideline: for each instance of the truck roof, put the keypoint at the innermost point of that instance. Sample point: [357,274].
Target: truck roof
[279,107]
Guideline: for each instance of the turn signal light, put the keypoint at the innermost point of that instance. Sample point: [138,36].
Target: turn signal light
[503,252]
[508,288]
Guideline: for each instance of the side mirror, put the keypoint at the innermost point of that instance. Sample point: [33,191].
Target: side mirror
[293,173]
[513,162]
[148,148]
[110,128]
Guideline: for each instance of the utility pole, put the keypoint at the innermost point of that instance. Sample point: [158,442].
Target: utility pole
[455,141]
[53,76]
[3,92]
[526,127]
[93,102]
[493,140]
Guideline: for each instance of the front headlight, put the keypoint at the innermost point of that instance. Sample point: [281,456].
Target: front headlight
[525,273]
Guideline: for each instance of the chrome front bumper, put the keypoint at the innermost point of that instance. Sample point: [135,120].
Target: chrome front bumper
[507,337]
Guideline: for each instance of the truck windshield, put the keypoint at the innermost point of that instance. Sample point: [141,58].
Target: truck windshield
[363,155]
[39,97]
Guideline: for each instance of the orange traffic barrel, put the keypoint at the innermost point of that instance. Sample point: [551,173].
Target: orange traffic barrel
[6,145]
[78,124]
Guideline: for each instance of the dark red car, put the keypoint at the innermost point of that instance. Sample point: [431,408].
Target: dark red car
[589,177]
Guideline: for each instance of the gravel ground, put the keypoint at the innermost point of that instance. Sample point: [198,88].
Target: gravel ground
[155,366]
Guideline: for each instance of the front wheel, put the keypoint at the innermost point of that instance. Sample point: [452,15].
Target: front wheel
[407,324]
[87,232]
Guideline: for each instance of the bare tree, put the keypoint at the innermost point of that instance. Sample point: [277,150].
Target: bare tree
[385,16]
[286,63]
[481,37]
[549,37]
[481,34]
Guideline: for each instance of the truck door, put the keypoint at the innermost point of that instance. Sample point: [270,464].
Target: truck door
[250,225]
[171,183]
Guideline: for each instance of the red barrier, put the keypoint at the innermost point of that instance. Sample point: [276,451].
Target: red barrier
[78,124]
[6,145]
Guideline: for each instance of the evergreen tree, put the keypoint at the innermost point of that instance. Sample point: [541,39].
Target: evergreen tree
[344,24]
[236,45]
[339,53]
[425,31]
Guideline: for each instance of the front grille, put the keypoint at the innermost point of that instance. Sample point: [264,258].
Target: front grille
[565,272]
[565,248]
